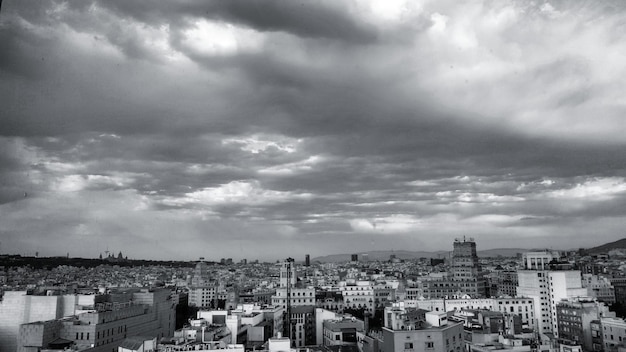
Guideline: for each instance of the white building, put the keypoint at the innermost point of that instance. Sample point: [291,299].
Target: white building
[320,316]
[613,333]
[522,306]
[222,317]
[538,260]
[357,294]
[547,288]
[299,297]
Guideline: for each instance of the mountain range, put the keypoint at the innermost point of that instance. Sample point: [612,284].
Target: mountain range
[401,254]
[504,252]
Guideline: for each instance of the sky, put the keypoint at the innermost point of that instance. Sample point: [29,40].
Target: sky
[273,129]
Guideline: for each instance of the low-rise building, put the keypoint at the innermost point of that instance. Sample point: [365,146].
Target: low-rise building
[410,329]
[524,307]
[23,307]
[575,318]
[436,334]
[613,333]
[124,314]
[342,332]
[599,287]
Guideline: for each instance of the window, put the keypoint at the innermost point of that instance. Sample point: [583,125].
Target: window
[429,345]
[408,345]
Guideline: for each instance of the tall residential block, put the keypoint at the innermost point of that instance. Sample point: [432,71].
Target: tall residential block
[288,277]
[547,288]
[465,278]
[20,307]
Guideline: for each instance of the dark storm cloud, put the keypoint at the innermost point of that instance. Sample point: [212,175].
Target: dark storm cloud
[230,121]
[302,18]
[17,47]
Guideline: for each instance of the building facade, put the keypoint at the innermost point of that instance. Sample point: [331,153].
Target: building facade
[146,312]
[574,322]
[434,334]
[20,307]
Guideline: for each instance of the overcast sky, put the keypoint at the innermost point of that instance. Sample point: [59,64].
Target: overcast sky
[268,129]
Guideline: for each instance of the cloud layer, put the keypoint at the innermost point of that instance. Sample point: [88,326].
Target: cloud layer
[264,129]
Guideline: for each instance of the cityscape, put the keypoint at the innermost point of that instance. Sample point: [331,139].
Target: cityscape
[539,300]
[312,176]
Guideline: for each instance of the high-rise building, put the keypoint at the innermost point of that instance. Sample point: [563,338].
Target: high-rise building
[547,288]
[355,257]
[465,260]
[288,277]
[465,277]
[203,289]
[307,260]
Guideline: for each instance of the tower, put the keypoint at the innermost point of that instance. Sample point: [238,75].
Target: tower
[466,268]
[288,280]
[288,273]
[465,263]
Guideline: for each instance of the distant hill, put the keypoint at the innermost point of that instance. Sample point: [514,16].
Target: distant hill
[9,261]
[619,244]
[505,252]
[379,255]
[384,255]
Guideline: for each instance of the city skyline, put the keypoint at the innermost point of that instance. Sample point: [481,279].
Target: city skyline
[179,130]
